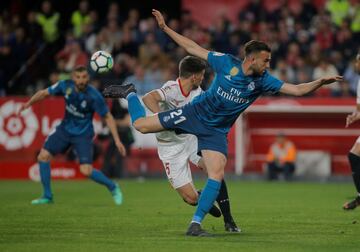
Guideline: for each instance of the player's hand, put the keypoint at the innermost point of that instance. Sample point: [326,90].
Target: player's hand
[121,148]
[22,108]
[329,80]
[159,18]
[352,118]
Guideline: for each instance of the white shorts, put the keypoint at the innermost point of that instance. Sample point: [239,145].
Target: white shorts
[176,157]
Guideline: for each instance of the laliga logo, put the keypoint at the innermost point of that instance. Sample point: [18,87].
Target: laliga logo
[16,131]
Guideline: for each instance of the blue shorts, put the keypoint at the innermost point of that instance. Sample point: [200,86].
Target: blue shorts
[184,120]
[60,140]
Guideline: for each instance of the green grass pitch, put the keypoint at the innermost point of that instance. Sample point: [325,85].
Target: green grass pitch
[273,217]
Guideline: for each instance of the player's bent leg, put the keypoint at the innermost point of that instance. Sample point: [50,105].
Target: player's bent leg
[100,178]
[149,124]
[44,158]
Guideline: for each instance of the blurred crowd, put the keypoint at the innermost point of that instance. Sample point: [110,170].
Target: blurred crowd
[308,42]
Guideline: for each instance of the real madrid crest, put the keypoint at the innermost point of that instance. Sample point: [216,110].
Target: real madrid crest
[68,92]
[251,86]
[234,71]
[83,104]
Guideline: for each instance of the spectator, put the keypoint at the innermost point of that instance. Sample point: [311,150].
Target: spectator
[352,77]
[326,69]
[295,31]
[80,17]
[339,9]
[48,20]
[72,54]
[281,158]
[142,81]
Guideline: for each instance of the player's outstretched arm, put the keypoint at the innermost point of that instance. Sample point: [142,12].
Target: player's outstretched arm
[151,101]
[190,46]
[305,88]
[110,122]
[38,96]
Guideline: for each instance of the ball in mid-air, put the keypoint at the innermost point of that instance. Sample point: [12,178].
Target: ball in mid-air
[101,62]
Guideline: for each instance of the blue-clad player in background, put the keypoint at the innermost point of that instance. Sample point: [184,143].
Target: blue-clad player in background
[237,84]
[76,129]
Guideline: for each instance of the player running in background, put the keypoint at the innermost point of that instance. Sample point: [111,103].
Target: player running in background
[237,84]
[175,151]
[354,154]
[76,129]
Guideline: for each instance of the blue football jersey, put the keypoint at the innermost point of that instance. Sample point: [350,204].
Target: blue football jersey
[79,106]
[231,92]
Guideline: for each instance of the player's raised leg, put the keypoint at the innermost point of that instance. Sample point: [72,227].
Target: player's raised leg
[141,122]
[44,158]
[215,164]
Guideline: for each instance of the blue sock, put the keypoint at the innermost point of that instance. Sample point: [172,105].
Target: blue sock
[136,110]
[207,199]
[45,175]
[100,178]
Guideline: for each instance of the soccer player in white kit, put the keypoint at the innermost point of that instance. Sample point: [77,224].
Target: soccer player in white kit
[177,150]
[354,154]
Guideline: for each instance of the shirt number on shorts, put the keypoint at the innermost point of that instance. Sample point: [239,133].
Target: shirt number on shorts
[178,113]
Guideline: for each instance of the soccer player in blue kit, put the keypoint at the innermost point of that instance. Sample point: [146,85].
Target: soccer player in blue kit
[237,84]
[76,129]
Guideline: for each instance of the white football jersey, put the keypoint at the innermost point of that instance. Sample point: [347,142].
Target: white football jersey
[172,97]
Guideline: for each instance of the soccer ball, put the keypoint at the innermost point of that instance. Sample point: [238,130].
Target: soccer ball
[101,62]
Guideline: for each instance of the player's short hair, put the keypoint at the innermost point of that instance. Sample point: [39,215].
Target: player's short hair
[190,65]
[80,68]
[256,46]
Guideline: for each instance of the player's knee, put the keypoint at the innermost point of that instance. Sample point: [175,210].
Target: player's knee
[216,174]
[86,170]
[190,199]
[43,156]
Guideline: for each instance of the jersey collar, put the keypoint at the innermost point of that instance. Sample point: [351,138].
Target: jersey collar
[182,91]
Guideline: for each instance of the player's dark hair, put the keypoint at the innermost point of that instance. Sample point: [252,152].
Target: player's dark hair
[190,65]
[256,46]
[80,68]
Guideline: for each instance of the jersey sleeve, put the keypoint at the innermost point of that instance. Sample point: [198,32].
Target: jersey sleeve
[271,84]
[218,61]
[100,105]
[167,91]
[58,88]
